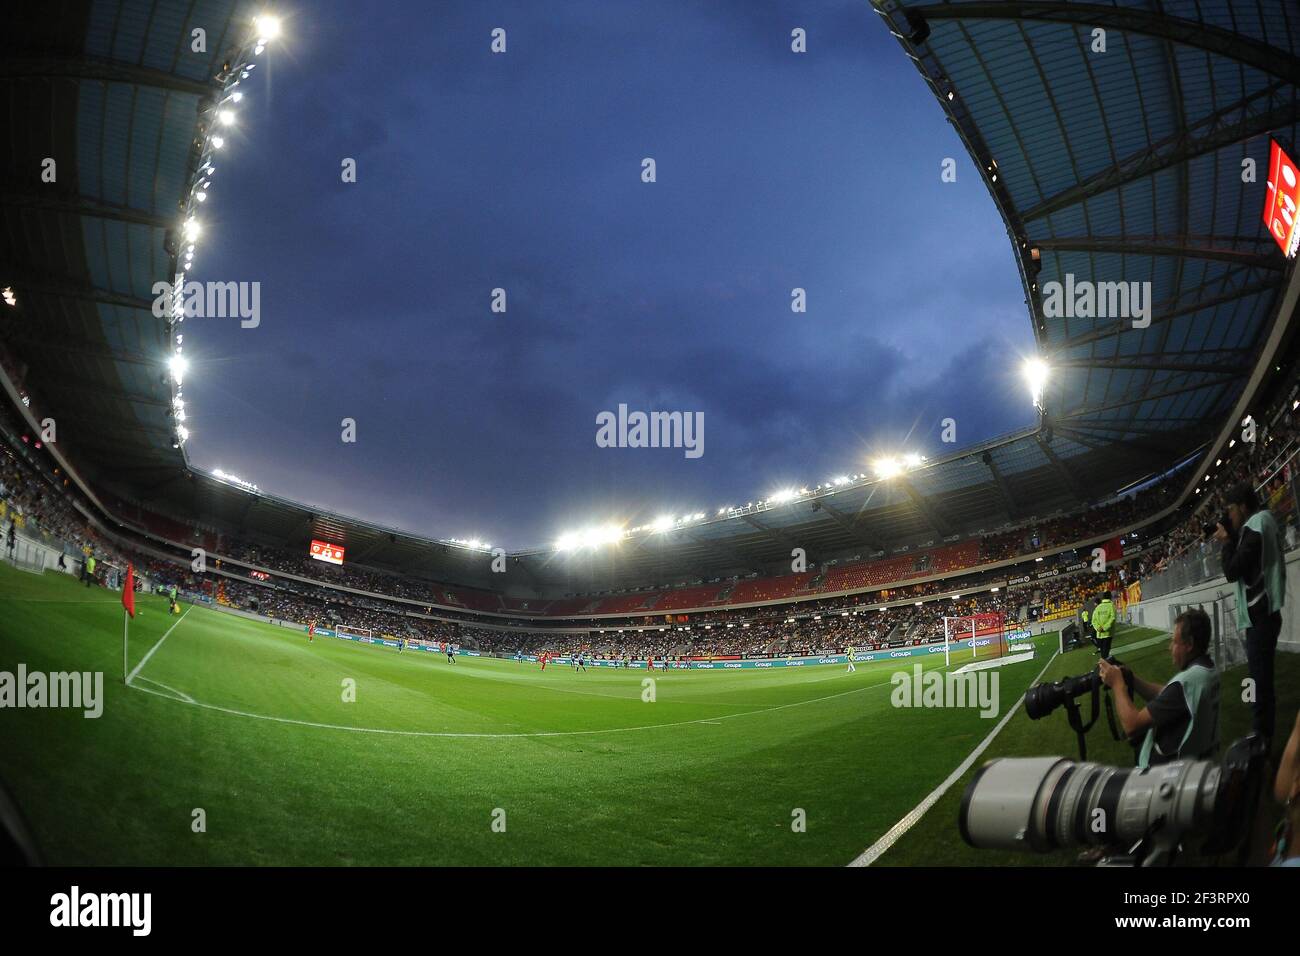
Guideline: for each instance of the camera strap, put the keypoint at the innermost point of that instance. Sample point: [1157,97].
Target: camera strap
[1116,731]
[1078,726]
[1110,719]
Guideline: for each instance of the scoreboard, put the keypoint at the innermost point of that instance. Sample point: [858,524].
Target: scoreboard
[1283,197]
[324,551]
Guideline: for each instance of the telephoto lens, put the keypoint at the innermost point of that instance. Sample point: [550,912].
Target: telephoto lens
[1049,803]
[1043,699]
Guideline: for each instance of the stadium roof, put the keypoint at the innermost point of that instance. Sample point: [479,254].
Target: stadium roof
[105,107]
[1122,166]
[1112,138]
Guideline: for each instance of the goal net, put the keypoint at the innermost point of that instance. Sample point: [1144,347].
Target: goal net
[344,630]
[974,637]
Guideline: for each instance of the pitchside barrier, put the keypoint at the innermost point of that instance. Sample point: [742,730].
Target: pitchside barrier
[29,554]
[892,653]
[1218,599]
[1016,636]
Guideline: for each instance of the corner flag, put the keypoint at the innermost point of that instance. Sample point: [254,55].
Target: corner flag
[128,609]
[128,592]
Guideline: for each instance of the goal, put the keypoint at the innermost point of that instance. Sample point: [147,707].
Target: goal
[356,633]
[974,637]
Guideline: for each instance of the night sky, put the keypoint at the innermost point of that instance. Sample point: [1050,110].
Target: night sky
[523,171]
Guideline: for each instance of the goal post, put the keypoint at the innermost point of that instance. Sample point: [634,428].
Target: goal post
[955,631]
[974,637]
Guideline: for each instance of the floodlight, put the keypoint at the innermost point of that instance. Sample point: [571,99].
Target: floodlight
[266,27]
[1036,372]
[886,467]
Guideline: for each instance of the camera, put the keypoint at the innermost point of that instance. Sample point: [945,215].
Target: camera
[1043,699]
[1051,803]
[1213,526]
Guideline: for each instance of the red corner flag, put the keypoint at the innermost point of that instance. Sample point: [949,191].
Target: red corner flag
[128,592]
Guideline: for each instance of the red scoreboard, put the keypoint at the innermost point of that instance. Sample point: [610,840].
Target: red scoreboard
[324,551]
[1283,198]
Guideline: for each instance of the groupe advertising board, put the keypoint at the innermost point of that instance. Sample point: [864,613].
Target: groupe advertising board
[759,663]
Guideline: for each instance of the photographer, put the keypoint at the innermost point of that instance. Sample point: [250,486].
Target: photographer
[1181,718]
[1252,559]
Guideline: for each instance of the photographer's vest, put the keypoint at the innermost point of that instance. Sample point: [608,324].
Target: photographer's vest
[1271,583]
[1201,695]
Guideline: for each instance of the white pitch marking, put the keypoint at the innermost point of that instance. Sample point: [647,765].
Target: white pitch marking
[131,676]
[874,852]
[539,733]
[180,694]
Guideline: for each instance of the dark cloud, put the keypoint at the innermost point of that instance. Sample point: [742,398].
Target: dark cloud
[522,172]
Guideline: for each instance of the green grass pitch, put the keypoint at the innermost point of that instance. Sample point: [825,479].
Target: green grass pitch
[247,722]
